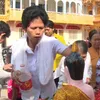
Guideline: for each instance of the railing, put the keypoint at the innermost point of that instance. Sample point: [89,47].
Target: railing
[11,14]
[4,10]
[87,2]
[2,6]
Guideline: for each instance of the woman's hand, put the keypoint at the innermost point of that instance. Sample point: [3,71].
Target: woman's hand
[8,67]
[87,80]
[15,76]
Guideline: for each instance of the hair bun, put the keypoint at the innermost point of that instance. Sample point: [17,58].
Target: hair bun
[74,47]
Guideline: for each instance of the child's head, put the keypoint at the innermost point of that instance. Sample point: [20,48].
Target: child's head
[82,48]
[75,64]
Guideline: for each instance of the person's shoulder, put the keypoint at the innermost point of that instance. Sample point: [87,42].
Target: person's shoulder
[89,91]
[88,88]
[90,49]
[60,93]
[49,38]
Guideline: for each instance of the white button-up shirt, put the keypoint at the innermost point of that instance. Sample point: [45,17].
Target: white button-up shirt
[49,88]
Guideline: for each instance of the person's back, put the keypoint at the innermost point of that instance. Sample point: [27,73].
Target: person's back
[69,92]
[87,89]
[74,68]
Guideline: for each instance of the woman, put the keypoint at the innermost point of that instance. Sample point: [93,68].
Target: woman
[94,50]
[75,89]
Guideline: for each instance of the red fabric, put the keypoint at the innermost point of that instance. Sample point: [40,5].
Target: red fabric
[11,83]
[26,85]
[97,95]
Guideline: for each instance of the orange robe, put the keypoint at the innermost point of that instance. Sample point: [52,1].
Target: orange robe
[69,92]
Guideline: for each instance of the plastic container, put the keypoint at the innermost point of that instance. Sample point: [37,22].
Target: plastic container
[25,83]
[19,62]
[25,78]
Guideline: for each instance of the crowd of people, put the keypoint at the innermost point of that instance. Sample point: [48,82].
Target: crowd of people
[58,71]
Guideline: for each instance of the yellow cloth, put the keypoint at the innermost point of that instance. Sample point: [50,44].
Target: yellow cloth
[69,92]
[58,56]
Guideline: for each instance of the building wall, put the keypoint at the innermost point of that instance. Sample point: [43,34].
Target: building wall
[51,5]
[15,34]
[71,35]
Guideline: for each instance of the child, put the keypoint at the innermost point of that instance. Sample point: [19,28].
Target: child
[13,90]
[74,89]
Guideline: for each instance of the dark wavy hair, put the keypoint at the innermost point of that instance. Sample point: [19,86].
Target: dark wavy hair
[91,33]
[4,28]
[75,64]
[33,12]
[50,24]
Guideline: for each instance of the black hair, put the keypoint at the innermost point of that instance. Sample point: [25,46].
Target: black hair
[83,46]
[91,33]
[4,28]
[75,64]
[32,12]
[50,24]
[88,42]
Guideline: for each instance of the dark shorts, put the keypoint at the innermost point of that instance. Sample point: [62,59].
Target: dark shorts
[56,81]
[18,99]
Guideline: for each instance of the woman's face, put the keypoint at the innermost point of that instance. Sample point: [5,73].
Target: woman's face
[49,31]
[95,41]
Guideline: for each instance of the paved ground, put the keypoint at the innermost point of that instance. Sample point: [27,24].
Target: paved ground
[3,94]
